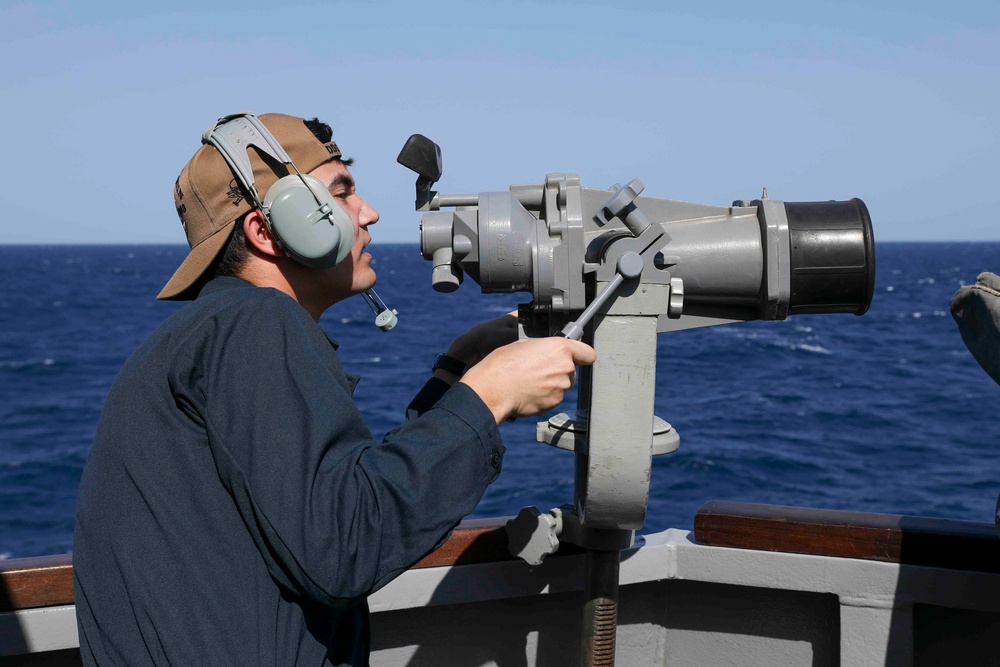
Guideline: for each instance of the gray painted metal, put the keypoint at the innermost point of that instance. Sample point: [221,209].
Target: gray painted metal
[686,605]
[562,430]
[614,466]
[774,228]
[38,630]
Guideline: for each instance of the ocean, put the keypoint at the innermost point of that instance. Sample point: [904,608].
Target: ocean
[887,412]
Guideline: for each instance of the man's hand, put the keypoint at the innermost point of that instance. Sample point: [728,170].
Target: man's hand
[528,377]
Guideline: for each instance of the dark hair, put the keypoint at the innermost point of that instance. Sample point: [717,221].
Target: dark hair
[234,256]
[324,133]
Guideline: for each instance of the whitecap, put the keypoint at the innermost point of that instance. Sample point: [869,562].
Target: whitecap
[19,364]
[5,555]
[916,316]
[818,349]
[890,288]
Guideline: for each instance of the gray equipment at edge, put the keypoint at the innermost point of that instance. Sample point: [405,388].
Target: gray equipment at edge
[615,268]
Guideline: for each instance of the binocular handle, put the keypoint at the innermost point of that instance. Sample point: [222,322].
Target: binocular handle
[629,266]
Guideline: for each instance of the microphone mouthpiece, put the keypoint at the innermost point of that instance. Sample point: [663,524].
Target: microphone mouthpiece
[385,318]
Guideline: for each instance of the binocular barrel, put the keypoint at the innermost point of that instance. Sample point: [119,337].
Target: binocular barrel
[764,259]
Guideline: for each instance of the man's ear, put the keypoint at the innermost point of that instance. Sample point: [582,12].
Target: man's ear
[258,235]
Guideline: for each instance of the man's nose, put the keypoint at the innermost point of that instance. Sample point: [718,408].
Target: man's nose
[368,215]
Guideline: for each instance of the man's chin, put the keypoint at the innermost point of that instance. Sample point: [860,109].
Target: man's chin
[365,283]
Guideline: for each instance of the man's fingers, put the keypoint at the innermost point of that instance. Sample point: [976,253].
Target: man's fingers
[528,377]
[583,354]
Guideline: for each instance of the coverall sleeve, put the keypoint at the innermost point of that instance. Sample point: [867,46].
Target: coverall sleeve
[334,514]
[427,397]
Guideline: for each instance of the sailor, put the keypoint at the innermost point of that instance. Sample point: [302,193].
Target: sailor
[235,508]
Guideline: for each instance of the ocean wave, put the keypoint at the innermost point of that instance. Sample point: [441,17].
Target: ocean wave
[30,363]
[818,349]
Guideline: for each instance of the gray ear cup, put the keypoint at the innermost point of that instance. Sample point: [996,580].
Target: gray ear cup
[318,235]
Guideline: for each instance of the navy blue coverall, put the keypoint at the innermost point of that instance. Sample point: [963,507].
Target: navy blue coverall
[235,509]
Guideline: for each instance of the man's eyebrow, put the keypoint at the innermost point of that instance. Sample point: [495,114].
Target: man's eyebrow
[342,180]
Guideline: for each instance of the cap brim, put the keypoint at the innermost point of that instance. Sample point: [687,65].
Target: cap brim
[195,265]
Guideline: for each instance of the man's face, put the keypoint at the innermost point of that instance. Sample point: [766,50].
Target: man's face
[355,274]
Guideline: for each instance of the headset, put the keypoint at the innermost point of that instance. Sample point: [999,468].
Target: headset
[299,211]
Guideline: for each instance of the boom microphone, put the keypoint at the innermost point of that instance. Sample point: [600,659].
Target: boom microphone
[385,319]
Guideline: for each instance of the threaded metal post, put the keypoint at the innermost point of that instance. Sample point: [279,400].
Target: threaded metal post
[600,612]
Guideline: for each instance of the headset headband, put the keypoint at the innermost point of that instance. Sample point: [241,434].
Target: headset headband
[232,135]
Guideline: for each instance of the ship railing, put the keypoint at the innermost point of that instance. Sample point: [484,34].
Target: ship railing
[35,589]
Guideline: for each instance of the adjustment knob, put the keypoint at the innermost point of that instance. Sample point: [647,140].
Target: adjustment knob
[446,276]
[676,305]
[531,535]
[621,205]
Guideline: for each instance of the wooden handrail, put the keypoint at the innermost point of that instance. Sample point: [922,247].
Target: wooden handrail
[894,538]
[42,581]
[480,541]
[474,541]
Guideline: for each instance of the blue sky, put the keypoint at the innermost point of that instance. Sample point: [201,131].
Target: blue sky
[896,103]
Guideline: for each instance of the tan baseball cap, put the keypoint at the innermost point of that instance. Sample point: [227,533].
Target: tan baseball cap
[209,199]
